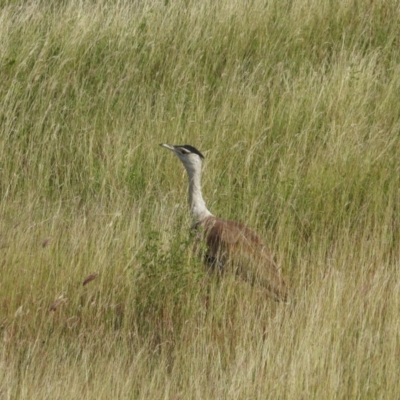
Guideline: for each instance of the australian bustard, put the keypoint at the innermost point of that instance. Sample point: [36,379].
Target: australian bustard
[230,245]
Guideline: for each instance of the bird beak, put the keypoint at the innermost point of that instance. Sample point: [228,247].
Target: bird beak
[168,146]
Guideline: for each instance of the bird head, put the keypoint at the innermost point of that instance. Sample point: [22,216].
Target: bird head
[189,155]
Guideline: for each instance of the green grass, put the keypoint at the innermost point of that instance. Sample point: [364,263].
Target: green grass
[295,105]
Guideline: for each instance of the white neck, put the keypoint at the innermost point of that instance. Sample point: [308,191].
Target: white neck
[198,208]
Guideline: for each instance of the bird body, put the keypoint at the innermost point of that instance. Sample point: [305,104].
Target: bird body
[230,245]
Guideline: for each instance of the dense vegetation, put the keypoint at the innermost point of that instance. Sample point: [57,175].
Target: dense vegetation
[295,105]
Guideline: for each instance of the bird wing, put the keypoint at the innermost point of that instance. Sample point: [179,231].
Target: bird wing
[239,247]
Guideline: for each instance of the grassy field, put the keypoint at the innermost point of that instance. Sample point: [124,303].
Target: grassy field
[295,105]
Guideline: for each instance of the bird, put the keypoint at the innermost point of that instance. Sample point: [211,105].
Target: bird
[229,245]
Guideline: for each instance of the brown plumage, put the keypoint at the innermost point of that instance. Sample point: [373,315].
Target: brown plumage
[230,246]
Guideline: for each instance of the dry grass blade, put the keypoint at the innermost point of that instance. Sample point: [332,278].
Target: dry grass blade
[90,278]
[46,242]
[57,303]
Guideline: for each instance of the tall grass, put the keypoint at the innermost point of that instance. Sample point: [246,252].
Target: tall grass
[294,104]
